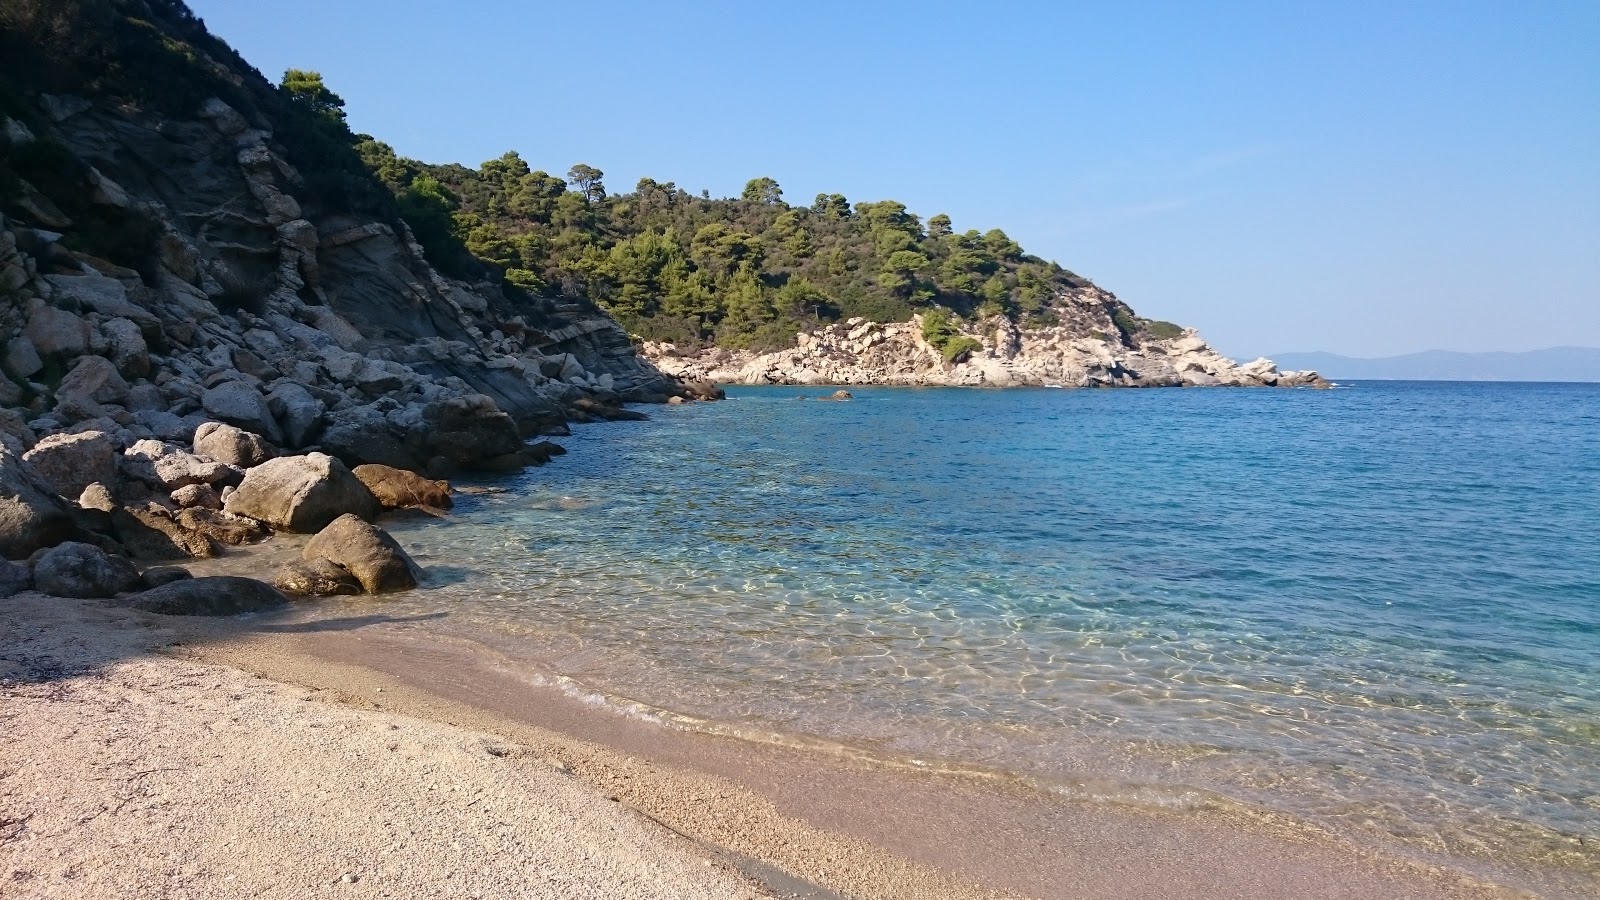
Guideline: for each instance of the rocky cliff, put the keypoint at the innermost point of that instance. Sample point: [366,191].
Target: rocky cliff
[249,300]
[1084,346]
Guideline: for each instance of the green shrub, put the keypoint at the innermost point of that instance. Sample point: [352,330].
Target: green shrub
[1164,330]
[959,346]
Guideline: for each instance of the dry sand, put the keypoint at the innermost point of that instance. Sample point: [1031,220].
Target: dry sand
[419,772]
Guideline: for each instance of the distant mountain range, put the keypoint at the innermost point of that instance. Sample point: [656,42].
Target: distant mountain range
[1554,364]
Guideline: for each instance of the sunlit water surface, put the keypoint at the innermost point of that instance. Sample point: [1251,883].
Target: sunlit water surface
[1374,609]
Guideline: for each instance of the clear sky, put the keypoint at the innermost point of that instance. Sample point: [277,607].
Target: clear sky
[1363,178]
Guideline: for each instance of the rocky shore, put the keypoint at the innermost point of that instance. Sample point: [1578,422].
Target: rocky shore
[1084,346]
[276,363]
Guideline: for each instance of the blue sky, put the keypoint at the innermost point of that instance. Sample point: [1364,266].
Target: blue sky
[1364,178]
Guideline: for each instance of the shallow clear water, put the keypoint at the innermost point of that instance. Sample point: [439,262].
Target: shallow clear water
[1376,608]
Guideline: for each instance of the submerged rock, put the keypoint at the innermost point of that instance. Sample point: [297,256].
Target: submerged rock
[399,489]
[365,551]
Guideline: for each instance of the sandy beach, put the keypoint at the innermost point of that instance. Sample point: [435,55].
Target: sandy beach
[170,757]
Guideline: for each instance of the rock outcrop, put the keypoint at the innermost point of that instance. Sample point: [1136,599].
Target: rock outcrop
[399,489]
[1086,346]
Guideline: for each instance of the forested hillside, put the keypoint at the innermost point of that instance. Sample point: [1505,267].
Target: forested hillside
[746,272]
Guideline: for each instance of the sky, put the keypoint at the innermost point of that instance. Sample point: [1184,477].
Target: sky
[1361,178]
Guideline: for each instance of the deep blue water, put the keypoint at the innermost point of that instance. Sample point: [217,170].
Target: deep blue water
[1376,609]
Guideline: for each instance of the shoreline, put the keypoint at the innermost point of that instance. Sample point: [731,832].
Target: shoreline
[788,821]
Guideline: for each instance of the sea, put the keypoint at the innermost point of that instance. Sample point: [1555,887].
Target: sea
[1372,611]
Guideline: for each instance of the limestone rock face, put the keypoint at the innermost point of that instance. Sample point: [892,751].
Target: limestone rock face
[399,489]
[214,596]
[231,445]
[83,571]
[69,463]
[365,551]
[316,578]
[32,514]
[301,493]
[237,403]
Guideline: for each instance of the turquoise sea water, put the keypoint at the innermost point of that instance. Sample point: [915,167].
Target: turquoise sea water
[1374,609]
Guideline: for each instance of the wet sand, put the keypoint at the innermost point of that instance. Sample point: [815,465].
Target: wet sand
[782,821]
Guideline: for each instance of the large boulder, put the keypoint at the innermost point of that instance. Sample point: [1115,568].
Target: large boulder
[298,413]
[168,467]
[56,332]
[365,551]
[315,578]
[240,404]
[151,533]
[231,445]
[128,349]
[69,463]
[15,578]
[83,571]
[94,378]
[32,514]
[399,489]
[301,493]
[220,595]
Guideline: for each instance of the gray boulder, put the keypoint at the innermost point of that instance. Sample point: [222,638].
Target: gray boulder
[365,551]
[298,412]
[150,532]
[167,468]
[83,571]
[56,332]
[156,576]
[201,495]
[231,445]
[240,404]
[222,527]
[32,514]
[220,595]
[316,578]
[21,358]
[69,463]
[15,578]
[301,493]
[129,352]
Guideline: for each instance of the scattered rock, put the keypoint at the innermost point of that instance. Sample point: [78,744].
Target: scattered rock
[69,463]
[399,489]
[237,403]
[316,578]
[156,576]
[219,595]
[151,533]
[298,412]
[97,496]
[201,495]
[231,445]
[83,571]
[301,493]
[222,527]
[367,552]
[167,467]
